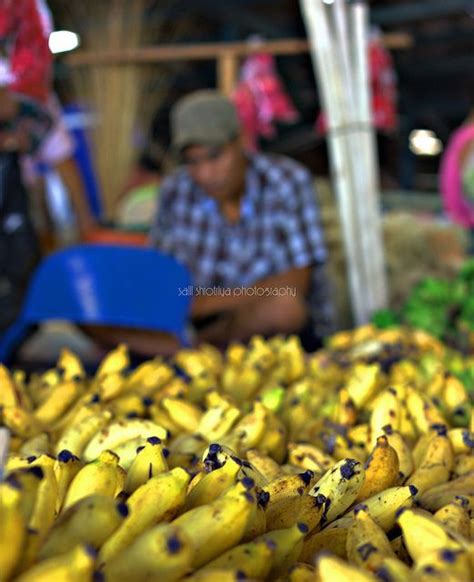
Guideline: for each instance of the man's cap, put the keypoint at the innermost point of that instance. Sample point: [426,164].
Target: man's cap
[204,117]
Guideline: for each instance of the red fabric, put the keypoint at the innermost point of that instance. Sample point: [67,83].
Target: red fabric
[261,99]
[26,46]
[383,87]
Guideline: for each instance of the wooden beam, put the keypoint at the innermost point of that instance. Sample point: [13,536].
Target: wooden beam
[227,72]
[210,51]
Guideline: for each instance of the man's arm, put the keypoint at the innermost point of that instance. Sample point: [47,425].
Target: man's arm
[297,278]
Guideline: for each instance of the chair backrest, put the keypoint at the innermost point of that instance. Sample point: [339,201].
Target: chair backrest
[107,285]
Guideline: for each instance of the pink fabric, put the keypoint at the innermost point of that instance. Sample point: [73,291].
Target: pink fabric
[261,99]
[457,206]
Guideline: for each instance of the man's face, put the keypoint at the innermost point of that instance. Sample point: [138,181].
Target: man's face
[219,171]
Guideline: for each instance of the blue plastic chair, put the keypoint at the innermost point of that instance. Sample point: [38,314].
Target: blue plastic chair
[110,285]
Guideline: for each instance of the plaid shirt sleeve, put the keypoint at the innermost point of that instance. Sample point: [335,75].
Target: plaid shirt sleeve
[161,233]
[300,228]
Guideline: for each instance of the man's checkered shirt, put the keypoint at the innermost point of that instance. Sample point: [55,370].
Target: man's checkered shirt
[279,229]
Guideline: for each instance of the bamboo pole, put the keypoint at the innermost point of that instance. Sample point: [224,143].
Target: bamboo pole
[373,238]
[209,51]
[327,70]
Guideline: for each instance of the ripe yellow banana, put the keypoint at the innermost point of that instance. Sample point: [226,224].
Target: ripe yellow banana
[367,544]
[288,486]
[295,509]
[76,437]
[441,495]
[394,570]
[333,540]
[310,457]
[20,422]
[159,499]
[264,464]
[423,534]
[184,414]
[75,566]
[8,393]
[27,480]
[363,383]
[436,464]
[444,564]
[220,525]
[44,511]
[118,360]
[12,528]
[149,377]
[386,411]
[381,470]
[65,468]
[455,516]
[405,459]
[97,477]
[340,485]
[61,397]
[92,520]
[120,431]
[288,544]
[70,365]
[161,553]
[36,446]
[213,484]
[331,568]
[149,461]
[253,559]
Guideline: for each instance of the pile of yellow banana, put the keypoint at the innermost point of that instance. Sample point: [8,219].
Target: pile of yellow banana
[263,463]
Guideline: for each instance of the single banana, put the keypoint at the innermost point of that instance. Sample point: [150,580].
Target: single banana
[405,460]
[462,440]
[117,360]
[423,534]
[310,457]
[12,528]
[120,431]
[20,422]
[66,467]
[381,470]
[382,508]
[76,437]
[8,393]
[288,544]
[288,486]
[159,499]
[36,446]
[70,365]
[217,421]
[367,544]
[441,495]
[184,414]
[333,540]
[97,477]
[386,411]
[331,568]
[161,553]
[269,468]
[295,509]
[62,396]
[92,520]
[363,383]
[220,525]
[27,480]
[149,377]
[463,464]
[455,516]
[44,511]
[127,451]
[149,461]
[253,559]
[436,464]
[75,566]
[213,484]
[340,485]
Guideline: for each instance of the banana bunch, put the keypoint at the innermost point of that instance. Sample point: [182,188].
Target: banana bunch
[245,464]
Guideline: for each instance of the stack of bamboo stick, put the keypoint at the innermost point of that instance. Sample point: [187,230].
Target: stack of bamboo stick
[338,37]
